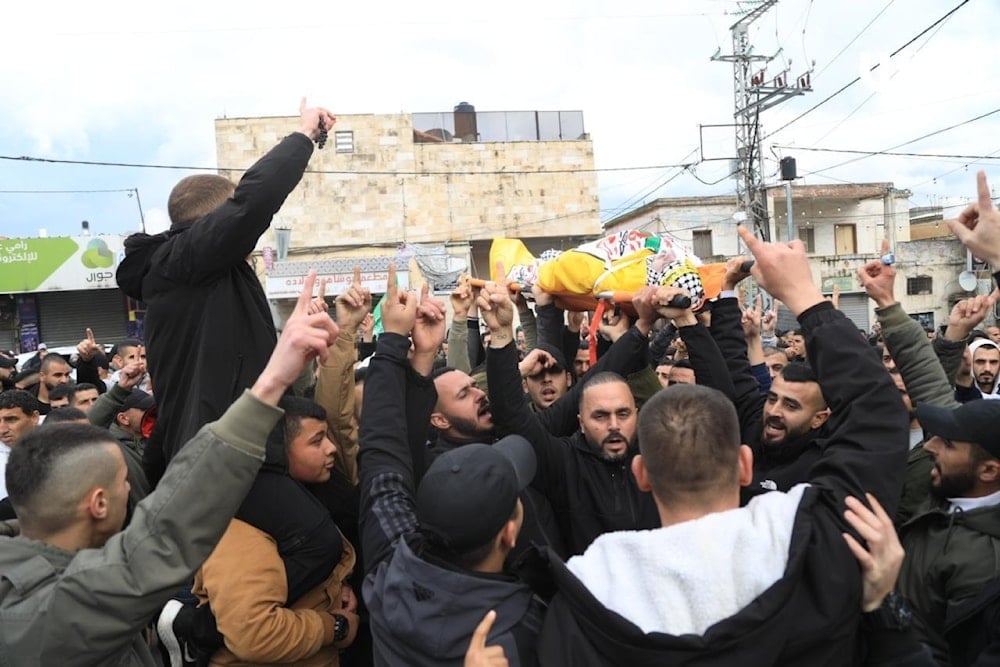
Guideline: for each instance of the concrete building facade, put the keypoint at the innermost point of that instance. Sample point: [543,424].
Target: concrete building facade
[394,185]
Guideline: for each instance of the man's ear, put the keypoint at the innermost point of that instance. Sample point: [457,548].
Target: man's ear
[989,471]
[746,465]
[641,476]
[439,421]
[820,418]
[97,503]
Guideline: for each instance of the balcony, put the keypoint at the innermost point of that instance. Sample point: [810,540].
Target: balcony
[467,125]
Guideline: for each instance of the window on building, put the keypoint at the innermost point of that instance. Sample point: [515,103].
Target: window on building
[701,242]
[845,239]
[343,141]
[926,320]
[919,285]
[805,234]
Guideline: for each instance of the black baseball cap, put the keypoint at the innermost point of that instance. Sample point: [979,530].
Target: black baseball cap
[469,493]
[975,421]
[138,399]
[7,362]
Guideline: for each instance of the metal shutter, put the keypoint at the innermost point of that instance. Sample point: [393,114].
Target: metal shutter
[63,317]
[855,306]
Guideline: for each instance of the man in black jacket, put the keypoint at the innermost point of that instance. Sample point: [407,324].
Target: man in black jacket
[435,538]
[208,325]
[785,427]
[773,583]
[585,475]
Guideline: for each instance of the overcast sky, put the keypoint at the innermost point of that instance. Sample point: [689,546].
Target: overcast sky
[142,83]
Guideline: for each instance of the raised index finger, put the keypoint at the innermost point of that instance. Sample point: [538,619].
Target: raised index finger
[985,203]
[322,289]
[302,305]
[483,630]
[752,242]
[390,283]
[90,335]
[357,276]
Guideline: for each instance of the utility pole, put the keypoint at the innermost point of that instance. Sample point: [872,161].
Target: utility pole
[754,93]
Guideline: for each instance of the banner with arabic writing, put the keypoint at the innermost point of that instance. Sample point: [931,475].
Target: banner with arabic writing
[63,263]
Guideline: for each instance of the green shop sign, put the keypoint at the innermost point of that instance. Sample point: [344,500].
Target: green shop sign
[59,264]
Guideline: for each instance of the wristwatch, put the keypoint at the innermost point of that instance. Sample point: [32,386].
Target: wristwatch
[894,614]
[341,628]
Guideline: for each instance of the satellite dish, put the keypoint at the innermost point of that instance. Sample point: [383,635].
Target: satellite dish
[967,280]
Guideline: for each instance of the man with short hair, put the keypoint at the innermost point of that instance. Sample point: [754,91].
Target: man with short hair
[435,538]
[775,360]
[59,396]
[796,349]
[208,325]
[18,417]
[682,372]
[772,583]
[84,396]
[73,566]
[54,371]
[662,371]
[8,369]
[19,413]
[583,475]
[548,385]
[993,331]
[581,362]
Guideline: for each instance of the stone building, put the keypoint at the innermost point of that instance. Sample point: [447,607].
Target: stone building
[428,191]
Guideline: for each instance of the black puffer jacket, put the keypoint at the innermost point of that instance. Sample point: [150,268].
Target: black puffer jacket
[209,330]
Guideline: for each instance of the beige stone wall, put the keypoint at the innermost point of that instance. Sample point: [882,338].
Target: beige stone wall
[455,202]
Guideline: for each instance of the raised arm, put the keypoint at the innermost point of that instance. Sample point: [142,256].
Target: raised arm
[868,427]
[458,336]
[385,463]
[727,331]
[511,414]
[905,339]
[228,235]
[335,378]
[176,527]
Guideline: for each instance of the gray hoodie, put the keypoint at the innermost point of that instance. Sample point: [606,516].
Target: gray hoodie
[423,614]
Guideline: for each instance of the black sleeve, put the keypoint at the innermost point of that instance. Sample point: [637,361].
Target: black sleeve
[549,320]
[512,415]
[709,366]
[727,331]
[625,356]
[868,427]
[86,371]
[366,348]
[385,460]
[227,235]
[477,355]
[660,343]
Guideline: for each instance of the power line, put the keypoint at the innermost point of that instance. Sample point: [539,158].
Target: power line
[499,172]
[855,38]
[869,154]
[61,192]
[992,156]
[873,68]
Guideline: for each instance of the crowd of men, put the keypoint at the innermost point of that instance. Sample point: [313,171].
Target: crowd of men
[688,488]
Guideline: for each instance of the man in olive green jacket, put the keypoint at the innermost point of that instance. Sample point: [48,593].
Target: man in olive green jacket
[75,589]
